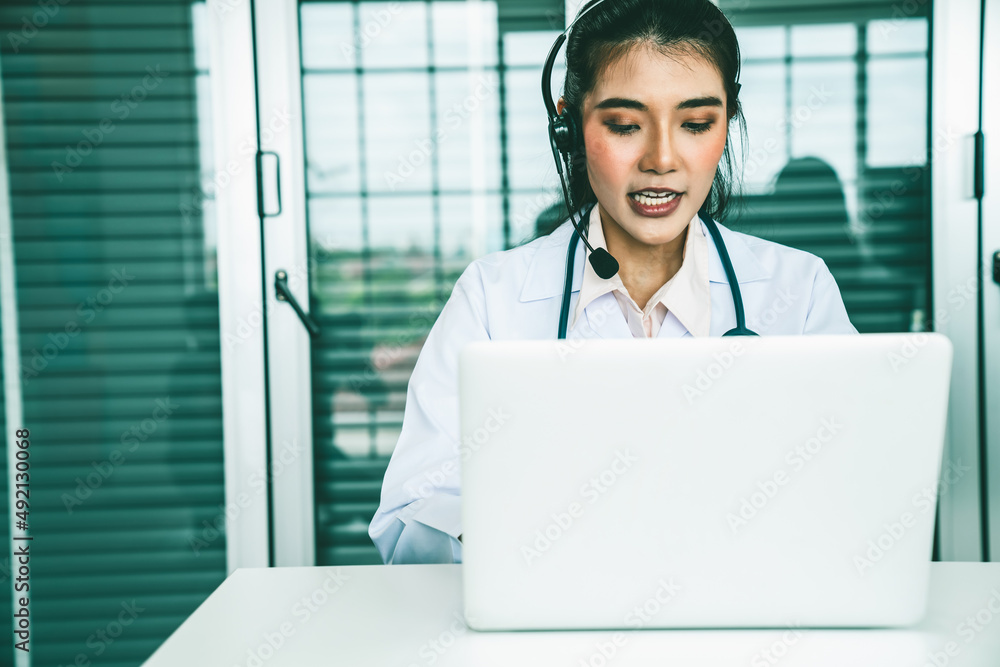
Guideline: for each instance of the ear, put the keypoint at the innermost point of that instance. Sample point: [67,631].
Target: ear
[735,100]
[560,105]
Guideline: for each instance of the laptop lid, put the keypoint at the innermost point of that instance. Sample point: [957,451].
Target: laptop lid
[711,482]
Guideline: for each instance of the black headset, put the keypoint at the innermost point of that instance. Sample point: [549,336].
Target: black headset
[565,137]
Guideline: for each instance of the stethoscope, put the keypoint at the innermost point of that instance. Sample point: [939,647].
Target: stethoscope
[564,138]
[734,286]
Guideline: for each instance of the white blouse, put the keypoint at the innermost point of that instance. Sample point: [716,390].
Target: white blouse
[686,294]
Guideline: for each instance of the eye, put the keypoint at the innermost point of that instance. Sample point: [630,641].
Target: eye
[622,129]
[698,128]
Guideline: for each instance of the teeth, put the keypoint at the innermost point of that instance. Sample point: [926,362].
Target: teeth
[658,200]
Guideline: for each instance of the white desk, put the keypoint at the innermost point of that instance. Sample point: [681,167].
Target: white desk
[410,616]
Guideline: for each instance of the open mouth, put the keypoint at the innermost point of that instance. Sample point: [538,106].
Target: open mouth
[653,204]
[647,198]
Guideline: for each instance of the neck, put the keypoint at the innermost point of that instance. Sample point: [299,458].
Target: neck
[643,268]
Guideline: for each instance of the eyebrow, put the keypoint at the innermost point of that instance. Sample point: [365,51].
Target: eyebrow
[625,103]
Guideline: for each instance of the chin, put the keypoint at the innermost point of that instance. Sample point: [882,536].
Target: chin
[657,231]
[657,236]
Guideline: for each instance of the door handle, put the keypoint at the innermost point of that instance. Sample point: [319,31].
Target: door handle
[268,187]
[283,293]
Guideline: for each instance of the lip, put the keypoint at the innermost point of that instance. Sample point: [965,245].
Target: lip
[656,211]
[657,190]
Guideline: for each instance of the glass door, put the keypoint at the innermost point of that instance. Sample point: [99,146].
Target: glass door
[412,135]
[990,256]
[961,283]
[402,148]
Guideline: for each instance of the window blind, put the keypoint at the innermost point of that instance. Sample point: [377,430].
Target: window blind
[836,166]
[7,641]
[118,317]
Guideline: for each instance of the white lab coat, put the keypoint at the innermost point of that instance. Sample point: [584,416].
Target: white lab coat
[516,294]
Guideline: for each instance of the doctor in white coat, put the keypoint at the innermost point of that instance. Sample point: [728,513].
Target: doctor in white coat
[649,147]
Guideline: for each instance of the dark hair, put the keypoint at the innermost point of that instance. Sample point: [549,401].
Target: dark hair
[672,27]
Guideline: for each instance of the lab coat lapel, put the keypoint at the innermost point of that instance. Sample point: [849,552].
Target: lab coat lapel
[747,268]
[605,319]
[745,263]
[672,327]
[602,318]
[547,269]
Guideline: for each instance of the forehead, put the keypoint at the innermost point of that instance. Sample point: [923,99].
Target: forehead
[656,78]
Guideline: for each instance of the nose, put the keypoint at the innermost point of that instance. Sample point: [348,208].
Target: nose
[660,155]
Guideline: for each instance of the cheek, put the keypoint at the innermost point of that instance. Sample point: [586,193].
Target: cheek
[704,157]
[608,160]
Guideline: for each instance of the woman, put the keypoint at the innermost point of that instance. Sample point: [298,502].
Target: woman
[652,85]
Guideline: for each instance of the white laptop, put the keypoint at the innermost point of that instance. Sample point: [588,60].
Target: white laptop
[778,481]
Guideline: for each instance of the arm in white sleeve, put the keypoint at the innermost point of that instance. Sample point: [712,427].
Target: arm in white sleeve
[827,313]
[419,517]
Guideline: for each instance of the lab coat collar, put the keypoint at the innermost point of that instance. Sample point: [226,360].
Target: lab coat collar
[547,271]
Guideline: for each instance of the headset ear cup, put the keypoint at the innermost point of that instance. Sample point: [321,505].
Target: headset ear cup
[562,132]
[576,137]
[566,132]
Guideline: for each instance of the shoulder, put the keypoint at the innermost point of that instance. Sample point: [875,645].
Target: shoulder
[523,254]
[803,283]
[493,289]
[776,260]
[511,268]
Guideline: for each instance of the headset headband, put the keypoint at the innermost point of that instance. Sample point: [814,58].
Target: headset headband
[550,61]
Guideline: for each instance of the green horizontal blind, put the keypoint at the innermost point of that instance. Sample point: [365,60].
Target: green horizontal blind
[837,162]
[6,642]
[115,264]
